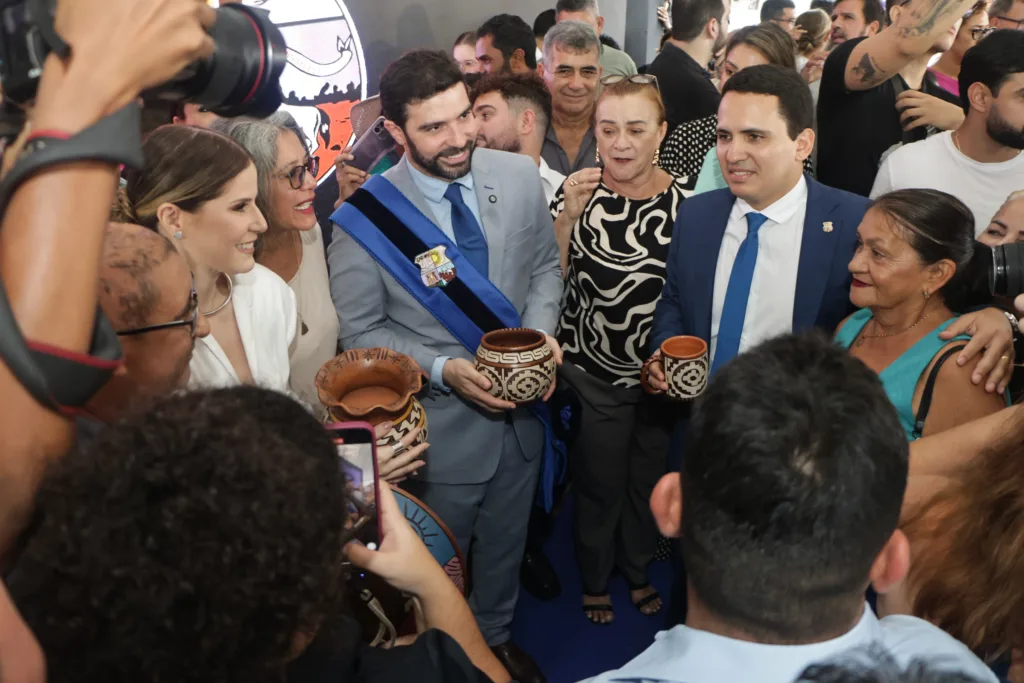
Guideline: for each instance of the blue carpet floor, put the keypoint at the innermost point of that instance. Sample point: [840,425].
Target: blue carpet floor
[565,645]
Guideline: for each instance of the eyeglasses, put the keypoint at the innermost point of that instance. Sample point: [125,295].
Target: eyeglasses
[979,32]
[297,176]
[191,319]
[1018,22]
[639,79]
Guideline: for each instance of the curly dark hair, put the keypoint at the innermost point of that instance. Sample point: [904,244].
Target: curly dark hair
[192,543]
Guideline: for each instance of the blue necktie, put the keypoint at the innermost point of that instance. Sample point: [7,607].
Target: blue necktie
[734,311]
[468,235]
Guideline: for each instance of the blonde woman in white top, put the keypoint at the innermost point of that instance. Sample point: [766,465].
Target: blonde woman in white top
[293,245]
[199,190]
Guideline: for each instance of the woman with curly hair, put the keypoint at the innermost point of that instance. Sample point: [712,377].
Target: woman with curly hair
[966,533]
[194,543]
[202,542]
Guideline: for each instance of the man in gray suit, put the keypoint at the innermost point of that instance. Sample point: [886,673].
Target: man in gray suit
[483,464]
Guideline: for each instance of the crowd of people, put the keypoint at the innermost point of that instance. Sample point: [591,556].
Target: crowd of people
[819,198]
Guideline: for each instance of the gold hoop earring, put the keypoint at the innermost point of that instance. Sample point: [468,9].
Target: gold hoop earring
[657,157]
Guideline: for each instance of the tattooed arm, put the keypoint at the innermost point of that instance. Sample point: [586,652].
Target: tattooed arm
[919,25]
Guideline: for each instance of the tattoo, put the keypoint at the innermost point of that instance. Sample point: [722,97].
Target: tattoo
[922,21]
[869,72]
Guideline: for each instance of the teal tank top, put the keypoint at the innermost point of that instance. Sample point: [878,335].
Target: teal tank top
[901,377]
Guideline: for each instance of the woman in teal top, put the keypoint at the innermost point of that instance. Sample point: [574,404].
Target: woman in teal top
[908,277]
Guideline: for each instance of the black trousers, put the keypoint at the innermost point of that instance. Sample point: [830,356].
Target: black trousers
[616,461]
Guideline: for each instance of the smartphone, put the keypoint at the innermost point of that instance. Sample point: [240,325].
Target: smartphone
[373,146]
[357,458]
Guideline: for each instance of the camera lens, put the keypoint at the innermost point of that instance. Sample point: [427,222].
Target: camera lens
[1007,278]
[242,76]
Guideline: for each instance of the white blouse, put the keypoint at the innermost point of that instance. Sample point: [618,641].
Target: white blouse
[266,315]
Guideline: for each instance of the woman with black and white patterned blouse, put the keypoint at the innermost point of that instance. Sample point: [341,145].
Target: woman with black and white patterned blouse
[614,227]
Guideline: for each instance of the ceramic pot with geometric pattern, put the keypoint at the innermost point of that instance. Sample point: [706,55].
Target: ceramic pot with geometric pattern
[374,385]
[518,362]
[685,360]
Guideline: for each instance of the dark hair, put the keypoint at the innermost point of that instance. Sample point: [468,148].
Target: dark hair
[773,9]
[576,6]
[543,23]
[1000,7]
[792,484]
[186,166]
[689,17]
[873,11]
[191,543]
[526,89]
[467,38]
[938,226]
[772,42]
[795,104]
[874,664]
[991,62]
[827,5]
[414,77]
[510,33]
[608,41]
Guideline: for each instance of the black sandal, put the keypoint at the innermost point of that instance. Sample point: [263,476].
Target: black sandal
[591,610]
[644,602]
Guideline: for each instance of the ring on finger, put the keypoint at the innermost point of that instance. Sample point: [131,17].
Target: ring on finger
[572,181]
[1003,358]
[398,449]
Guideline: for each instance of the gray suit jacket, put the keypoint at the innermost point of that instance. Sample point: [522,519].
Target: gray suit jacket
[375,310]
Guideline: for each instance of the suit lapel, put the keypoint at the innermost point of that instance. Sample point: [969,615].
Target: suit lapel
[707,232]
[817,253]
[492,213]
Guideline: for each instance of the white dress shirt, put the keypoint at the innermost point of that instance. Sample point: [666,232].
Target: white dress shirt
[551,180]
[265,312]
[773,289]
[688,655]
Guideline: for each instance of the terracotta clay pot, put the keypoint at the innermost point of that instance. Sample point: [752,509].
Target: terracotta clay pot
[518,362]
[374,385]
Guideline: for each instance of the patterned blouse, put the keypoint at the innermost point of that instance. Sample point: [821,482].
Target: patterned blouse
[616,271]
[684,150]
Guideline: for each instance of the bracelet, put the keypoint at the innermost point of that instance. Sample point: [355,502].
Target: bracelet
[1014,323]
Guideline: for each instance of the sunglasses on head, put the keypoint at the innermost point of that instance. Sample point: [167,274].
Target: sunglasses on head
[639,79]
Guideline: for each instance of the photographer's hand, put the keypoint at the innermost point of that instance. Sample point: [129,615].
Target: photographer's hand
[404,562]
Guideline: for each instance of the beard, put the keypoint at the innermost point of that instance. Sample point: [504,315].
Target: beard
[436,165]
[1003,132]
[509,143]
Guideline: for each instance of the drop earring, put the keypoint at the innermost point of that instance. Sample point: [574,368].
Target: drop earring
[177,234]
[657,158]
[597,157]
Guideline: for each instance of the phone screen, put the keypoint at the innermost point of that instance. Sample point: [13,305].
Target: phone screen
[357,458]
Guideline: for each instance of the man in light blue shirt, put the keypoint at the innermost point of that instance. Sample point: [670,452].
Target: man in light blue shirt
[788,504]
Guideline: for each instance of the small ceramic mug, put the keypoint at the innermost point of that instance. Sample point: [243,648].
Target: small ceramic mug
[685,360]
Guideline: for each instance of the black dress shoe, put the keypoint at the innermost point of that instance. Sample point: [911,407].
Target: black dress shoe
[538,576]
[520,666]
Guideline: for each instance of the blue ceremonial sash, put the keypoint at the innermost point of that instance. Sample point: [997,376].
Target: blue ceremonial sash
[394,232]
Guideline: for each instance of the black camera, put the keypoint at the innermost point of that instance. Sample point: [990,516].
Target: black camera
[241,78]
[1007,275]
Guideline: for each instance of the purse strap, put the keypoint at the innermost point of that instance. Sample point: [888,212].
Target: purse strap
[929,388]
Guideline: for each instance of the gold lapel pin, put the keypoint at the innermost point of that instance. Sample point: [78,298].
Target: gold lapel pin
[827,226]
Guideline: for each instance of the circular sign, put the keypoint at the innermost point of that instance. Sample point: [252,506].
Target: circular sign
[326,71]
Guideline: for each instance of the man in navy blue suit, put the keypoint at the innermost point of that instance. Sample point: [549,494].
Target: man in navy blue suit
[769,255]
